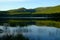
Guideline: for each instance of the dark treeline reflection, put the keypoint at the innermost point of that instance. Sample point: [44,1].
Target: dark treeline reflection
[11,37]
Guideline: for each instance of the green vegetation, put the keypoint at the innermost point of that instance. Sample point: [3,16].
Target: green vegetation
[19,11]
[39,10]
[37,22]
[22,23]
[48,23]
[48,10]
[19,22]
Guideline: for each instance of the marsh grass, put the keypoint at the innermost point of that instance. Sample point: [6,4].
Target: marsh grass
[21,23]
[48,23]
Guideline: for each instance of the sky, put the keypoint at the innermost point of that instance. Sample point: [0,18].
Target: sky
[14,4]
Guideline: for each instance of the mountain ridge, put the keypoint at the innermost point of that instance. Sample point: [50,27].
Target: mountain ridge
[39,10]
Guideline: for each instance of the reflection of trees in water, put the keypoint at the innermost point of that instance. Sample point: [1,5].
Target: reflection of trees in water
[11,37]
[6,29]
[8,36]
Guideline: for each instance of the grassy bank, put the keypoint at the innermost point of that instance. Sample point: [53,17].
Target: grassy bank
[47,23]
[22,23]
[35,22]
[19,22]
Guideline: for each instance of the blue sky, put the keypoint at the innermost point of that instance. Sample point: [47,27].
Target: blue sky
[14,4]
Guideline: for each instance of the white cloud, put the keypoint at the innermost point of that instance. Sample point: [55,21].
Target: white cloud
[13,0]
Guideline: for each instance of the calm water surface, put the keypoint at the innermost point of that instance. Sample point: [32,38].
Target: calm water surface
[33,32]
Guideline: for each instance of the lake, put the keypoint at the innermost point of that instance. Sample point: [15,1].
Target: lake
[33,32]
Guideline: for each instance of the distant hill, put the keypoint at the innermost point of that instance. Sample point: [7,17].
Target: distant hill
[39,10]
[21,11]
[47,10]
